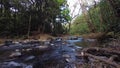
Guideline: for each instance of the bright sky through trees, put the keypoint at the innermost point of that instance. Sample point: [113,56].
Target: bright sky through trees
[75,8]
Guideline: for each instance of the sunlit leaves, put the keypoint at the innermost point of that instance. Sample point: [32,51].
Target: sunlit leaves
[103,17]
[60,1]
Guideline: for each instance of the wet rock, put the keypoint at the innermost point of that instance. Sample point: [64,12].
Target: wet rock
[12,63]
[29,66]
[52,44]
[67,60]
[15,54]
[66,56]
[58,39]
[30,58]
[8,42]
[42,47]
[46,42]
[29,49]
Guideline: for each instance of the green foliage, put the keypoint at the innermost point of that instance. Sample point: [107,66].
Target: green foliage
[104,17]
[109,17]
[94,14]
[65,13]
[15,16]
[60,1]
[79,26]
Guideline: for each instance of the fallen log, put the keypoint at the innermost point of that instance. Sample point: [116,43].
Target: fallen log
[107,61]
[103,60]
[101,51]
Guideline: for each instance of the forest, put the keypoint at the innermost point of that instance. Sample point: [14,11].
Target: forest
[101,17]
[54,34]
[26,17]
[29,17]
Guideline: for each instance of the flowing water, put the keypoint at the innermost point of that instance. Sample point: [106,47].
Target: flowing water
[61,55]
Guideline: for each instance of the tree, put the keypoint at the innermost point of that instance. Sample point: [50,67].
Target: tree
[101,17]
[22,17]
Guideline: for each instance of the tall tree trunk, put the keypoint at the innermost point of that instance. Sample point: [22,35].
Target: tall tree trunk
[29,27]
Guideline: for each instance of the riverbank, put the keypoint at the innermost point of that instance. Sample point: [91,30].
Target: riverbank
[62,52]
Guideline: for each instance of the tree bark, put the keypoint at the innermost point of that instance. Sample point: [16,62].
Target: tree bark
[29,27]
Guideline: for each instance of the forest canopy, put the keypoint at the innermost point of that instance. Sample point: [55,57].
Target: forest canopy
[103,16]
[22,17]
